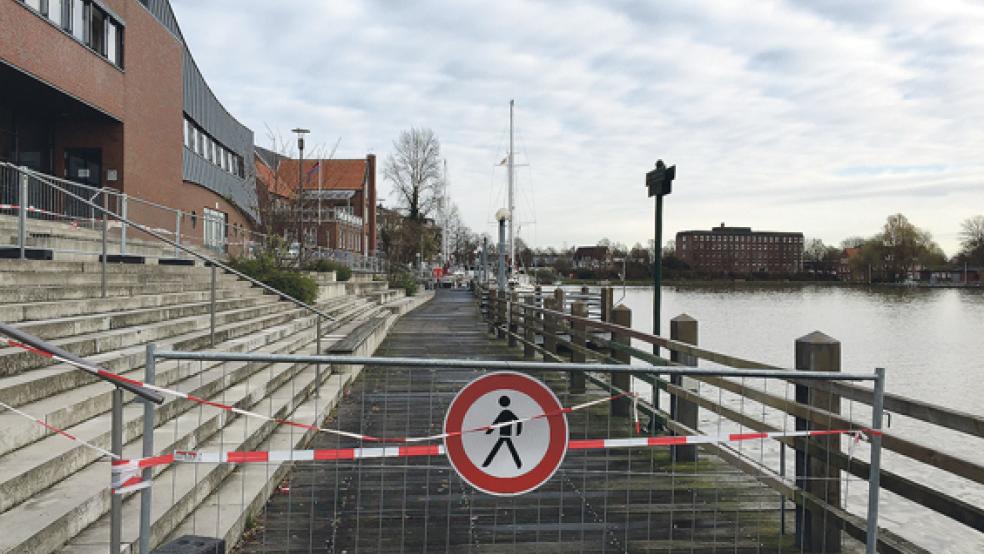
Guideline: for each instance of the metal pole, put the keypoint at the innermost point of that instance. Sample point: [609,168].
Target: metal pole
[148,451]
[317,367]
[22,216]
[116,501]
[211,328]
[105,232]
[512,205]
[501,280]
[874,470]
[123,224]
[657,269]
[485,260]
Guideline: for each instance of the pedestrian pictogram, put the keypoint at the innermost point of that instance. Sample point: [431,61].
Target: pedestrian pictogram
[511,453]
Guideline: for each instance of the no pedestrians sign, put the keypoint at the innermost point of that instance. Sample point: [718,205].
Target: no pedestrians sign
[504,458]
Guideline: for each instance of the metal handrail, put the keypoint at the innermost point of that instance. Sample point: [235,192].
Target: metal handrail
[144,229]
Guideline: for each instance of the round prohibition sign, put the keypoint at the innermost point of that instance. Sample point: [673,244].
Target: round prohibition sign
[505,460]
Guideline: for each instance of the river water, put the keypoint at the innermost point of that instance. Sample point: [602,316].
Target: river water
[931,342]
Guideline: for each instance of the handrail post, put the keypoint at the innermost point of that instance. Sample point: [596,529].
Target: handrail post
[146,499]
[123,219]
[579,339]
[105,237]
[177,233]
[683,328]
[529,330]
[116,500]
[513,327]
[816,531]
[317,367]
[874,469]
[622,315]
[211,327]
[24,202]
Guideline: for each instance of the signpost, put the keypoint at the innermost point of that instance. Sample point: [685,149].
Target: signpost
[659,182]
[500,458]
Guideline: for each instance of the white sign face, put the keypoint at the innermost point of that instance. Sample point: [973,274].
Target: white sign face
[505,451]
[492,453]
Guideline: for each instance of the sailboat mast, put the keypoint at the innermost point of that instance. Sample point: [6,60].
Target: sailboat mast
[512,204]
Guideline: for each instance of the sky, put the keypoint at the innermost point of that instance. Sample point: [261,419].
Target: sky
[819,116]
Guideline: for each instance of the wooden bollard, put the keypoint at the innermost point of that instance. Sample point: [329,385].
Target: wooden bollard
[529,327]
[621,315]
[579,338]
[815,530]
[513,318]
[607,303]
[683,328]
[549,330]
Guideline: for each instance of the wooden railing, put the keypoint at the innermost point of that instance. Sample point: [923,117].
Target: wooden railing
[551,326]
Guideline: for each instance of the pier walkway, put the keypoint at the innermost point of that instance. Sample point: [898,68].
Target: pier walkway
[635,500]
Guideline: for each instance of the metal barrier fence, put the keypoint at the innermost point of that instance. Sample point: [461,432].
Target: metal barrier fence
[339,495]
[57,217]
[926,472]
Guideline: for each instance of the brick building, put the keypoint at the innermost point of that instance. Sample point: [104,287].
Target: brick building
[739,250]
[106,93]
[338,199]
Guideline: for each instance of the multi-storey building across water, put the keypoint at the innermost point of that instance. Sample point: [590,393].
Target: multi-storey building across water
[739,250]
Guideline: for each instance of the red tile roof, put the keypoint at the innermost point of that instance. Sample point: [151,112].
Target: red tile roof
[334,174]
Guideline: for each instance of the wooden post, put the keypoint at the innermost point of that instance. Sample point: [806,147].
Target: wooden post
[683,328]
[529,329]
[817,531]
[607,301]
[579,338]
[621,315]
[513,318]
[549,330]
[538,296]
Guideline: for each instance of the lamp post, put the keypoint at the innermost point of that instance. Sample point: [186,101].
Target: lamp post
[300,190]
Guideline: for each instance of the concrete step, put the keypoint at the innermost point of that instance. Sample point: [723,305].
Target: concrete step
[61,327]
[55,266]
[54,516]
[24,478]
[94,292]
[30,469]
[41,384]
[15,360]
[35,311]
[47,278]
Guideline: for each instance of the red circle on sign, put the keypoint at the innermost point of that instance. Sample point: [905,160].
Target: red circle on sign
[548,402]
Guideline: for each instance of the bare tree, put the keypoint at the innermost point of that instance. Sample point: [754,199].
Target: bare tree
[415,170]
[972,239]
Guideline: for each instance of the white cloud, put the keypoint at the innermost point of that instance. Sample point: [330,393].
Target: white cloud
[813,116]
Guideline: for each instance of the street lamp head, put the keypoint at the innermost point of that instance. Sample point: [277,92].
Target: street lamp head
[502,215]
[300,137]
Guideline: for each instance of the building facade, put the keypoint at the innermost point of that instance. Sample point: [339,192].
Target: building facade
[739,250]
[337,203]
[106,93]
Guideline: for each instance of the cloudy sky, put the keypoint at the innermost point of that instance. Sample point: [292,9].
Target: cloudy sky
[820,116]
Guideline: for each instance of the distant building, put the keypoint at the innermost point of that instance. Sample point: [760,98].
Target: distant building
[592,257]
[848,271]
[339,199]
[740,250]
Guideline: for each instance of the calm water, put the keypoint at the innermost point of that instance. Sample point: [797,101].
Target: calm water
[931,343]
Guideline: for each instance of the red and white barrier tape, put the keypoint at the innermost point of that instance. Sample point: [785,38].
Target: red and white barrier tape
[126,472]
[57,431]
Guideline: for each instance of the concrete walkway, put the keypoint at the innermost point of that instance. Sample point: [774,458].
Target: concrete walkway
[625,500]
